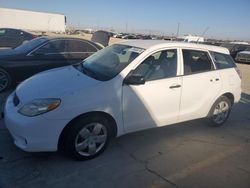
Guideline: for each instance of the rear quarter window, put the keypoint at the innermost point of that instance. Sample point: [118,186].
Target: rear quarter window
[222,61]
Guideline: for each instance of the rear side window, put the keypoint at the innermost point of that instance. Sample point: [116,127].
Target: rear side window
[79,46]
[196,61]
[222,61]
[2,31]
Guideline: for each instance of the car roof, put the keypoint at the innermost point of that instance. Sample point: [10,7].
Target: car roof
[65,38]
[49,38]
[146,44]
[61,37]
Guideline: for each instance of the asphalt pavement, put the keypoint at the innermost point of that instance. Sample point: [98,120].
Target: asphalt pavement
[190,154]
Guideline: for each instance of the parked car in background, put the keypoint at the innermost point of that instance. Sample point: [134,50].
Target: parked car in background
[41,54]
[144,37]
[11,38]
[234,48]
[118,35]
[244,56]
[129,37]
[126,87]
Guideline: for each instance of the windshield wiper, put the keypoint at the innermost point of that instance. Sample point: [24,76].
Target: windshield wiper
[88,72]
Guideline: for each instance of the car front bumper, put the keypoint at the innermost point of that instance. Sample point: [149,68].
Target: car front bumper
[33,134]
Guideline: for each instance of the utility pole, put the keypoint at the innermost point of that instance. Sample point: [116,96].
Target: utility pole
[202,35]
[207,28]
[178,29]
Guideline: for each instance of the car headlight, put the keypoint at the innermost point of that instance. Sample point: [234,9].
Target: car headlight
[39,106]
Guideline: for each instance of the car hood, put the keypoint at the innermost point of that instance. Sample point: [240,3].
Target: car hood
[245,52]
[54,83]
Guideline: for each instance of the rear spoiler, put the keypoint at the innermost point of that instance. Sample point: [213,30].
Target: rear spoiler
[101,37]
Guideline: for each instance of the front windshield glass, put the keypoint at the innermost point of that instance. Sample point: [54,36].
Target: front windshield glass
[247,49]
[110,61]
[28,46]
[228,46]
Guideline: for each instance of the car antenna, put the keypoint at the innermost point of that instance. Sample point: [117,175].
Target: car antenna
[202,35]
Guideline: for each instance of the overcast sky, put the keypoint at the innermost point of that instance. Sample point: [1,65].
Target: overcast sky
[225,19]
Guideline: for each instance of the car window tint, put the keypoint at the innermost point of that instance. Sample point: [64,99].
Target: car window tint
[160,65]
[110,61]
[2,31]
[222,60]
[79,46]
[56,46]
[13,32]
[196,61]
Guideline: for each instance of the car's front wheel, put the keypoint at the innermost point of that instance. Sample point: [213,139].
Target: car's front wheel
[220,111]
[88,138]
[5,80]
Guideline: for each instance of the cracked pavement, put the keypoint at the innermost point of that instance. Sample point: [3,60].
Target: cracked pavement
[190,154]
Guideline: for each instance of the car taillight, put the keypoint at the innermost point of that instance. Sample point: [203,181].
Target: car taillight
[239,72]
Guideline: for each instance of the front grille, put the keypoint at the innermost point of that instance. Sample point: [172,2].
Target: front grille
[16,100]
[244,56]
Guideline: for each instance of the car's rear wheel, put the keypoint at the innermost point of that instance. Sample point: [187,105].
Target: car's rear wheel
[88,138]
[220,111]
[5,80]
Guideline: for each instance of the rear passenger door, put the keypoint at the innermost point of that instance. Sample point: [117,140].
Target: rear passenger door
[201,84]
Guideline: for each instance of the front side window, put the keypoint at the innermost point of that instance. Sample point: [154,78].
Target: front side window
[222,61]
[110,61]
[196,61]
[31,45]
[57,46]
[13,32]
[160,65]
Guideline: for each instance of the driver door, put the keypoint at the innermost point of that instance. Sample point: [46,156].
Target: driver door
[156,102]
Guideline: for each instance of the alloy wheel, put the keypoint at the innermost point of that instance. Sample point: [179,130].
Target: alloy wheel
[221,112]
[91,139]
[4,80]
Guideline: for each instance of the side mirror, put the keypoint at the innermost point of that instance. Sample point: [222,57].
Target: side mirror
[134,79]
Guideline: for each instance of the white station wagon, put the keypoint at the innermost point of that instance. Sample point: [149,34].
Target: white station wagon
[126,87]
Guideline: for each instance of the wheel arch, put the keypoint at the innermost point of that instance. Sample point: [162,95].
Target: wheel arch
[85,115]
[229,95]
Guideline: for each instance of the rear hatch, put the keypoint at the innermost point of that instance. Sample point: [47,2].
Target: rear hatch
[101,37]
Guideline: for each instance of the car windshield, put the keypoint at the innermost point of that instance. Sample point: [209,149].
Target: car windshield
[28,46]
[228,46]
[247,49]
[110,61]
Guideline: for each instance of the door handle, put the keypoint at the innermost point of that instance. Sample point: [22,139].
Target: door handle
[216,79]
[174,86]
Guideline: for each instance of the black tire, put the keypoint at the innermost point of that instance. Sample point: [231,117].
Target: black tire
[214,120]
[5,80]
[73,135]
